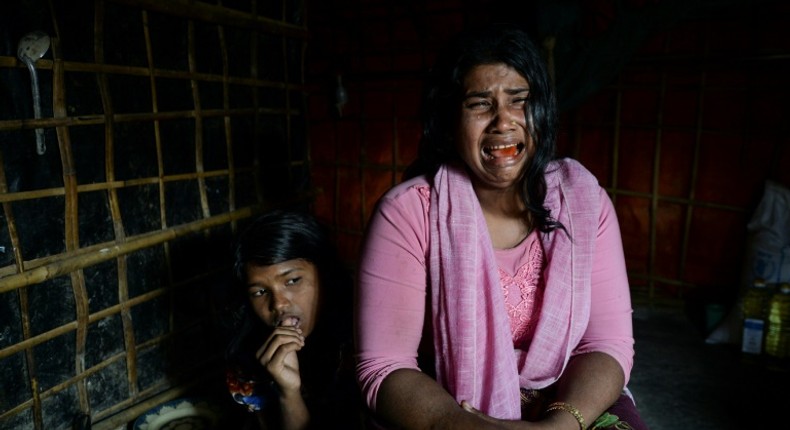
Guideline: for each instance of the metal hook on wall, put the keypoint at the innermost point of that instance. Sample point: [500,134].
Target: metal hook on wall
[33,46]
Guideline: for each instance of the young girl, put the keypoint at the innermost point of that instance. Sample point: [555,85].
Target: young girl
[290,359]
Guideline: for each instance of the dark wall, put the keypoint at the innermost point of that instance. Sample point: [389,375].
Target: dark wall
[676,106]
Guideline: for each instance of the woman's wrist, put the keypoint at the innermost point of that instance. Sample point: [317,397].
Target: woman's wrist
[567,408]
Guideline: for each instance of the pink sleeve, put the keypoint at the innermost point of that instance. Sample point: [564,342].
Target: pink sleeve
[610,327]
[391,289]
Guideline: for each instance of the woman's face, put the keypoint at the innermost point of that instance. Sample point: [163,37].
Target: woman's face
[493,138]
[285,294]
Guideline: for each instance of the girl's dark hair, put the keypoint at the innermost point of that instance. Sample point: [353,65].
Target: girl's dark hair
[281,235]
[498,43]
[275,237]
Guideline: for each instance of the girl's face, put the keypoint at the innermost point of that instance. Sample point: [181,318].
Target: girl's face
[285,294]
[493,138]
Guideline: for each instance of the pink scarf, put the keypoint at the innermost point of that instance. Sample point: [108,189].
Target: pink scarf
[475,357]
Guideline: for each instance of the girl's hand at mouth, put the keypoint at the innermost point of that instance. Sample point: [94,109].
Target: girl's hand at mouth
[278,357]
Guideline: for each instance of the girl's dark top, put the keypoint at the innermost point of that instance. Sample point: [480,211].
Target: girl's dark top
[329,387]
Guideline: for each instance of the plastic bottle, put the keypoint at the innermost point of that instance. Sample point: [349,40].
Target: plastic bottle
[777,337]
[755,312]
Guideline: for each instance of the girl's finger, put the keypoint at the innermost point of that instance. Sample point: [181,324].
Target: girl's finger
[274,341]
[280,355]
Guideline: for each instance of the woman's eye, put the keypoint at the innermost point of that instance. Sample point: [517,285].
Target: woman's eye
[293,281]
[477,104]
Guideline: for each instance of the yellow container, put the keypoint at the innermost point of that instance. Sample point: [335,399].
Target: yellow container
[777,337]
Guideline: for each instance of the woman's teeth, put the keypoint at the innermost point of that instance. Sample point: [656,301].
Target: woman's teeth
[499,151]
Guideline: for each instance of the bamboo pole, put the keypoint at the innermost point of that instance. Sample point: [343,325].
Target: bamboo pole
[136,408]
[71,217]
[199,167]
[60,191]
[26,124]
[228,129]
[69,264]
[115,69]
[24,304]
[204,12]
[33,341]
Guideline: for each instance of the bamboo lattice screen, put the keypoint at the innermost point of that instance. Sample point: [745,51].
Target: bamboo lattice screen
[167,124]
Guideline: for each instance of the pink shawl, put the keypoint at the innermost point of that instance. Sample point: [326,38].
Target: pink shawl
[475,357]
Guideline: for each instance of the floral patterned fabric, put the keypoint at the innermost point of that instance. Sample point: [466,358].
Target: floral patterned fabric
[248,391]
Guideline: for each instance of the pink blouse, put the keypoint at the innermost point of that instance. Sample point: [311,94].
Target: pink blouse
[520,273]
[393,278]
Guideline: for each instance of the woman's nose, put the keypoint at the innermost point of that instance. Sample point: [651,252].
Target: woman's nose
[504,120]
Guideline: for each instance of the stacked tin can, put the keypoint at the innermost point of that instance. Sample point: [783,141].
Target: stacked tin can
[777,336]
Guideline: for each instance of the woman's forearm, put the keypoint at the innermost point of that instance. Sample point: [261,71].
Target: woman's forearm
[409,399]
[591,383]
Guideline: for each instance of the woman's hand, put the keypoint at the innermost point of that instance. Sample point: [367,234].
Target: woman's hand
[278,356]
[471,409]
[546,423]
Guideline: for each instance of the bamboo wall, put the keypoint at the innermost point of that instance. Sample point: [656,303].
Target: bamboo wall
[167,124]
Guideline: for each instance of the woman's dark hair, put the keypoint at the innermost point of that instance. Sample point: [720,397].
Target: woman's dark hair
[497,43]
[275,237]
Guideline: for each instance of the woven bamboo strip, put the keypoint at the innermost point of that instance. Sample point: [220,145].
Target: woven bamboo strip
[27,124]
[24,305]
[67,265]
[205,12]
[128,328]
[115,210]
[192,382]
[10,220]
[71,326]
[63,385]
[135,409]
[54,192]
[198,120]
[227,123]
[71,217]
[74,66]
[80,377]
[32,341]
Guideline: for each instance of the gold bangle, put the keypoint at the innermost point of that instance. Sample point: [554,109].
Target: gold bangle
[567,407]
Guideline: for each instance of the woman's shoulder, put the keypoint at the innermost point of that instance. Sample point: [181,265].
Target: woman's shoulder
[409,188]
[569,172]
[402,213]
[412,196]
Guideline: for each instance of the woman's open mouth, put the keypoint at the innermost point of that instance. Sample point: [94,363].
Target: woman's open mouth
[503,151]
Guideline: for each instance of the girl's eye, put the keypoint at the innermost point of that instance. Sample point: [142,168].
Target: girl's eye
[259,292]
